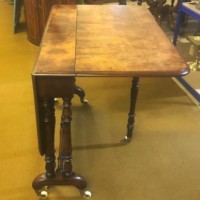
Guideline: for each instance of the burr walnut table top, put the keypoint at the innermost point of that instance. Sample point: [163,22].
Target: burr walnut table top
[106,40]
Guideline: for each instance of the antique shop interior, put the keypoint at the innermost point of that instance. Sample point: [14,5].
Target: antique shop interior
[161,162]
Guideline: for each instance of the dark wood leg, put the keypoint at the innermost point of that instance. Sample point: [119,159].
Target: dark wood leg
[63,175]
[65,153]
[48,126]
[139,2]
[122,2]
[131,115]
[81,93]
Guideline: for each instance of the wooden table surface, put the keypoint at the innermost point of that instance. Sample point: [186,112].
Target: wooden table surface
[106,40]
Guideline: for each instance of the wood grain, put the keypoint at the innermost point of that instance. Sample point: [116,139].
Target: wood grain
[107,40]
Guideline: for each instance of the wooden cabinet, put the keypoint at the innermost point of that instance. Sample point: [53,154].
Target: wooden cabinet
[36,15]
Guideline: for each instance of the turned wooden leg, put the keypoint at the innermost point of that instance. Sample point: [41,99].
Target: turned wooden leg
[131,115]
[48,129]
[65,152]
[64,174]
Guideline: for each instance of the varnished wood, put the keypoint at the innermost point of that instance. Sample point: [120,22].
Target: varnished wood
[81,93]
[100,35]
[131,114]
[63,175]
[140,50]
[59,43]
[49,87]
[48,125]
[41,181]
[92,41]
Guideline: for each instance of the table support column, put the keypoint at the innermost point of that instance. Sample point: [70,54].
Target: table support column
[49,129]
[131,115]
[65,153]
[64,174]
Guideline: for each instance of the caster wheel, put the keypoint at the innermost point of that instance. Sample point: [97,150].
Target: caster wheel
[85,101]
[56,100]
[43,194]
[86,194]
[126,139]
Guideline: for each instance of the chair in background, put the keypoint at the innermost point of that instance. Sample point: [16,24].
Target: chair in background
[185,8]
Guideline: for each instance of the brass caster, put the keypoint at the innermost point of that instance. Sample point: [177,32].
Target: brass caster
[84,101]
[43,193]
[126,139]
[86,194]
[56,100]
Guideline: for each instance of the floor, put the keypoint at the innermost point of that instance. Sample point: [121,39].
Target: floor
[161,162]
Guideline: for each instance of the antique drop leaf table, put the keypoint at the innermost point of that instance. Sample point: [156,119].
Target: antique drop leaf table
[88,41]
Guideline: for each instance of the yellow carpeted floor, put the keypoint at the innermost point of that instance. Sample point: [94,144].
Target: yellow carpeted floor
[162,162]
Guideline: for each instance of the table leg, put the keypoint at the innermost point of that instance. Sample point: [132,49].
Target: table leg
[81,93]
[48,126]
[131,115]
[122,2]
[63,175]
[65,152]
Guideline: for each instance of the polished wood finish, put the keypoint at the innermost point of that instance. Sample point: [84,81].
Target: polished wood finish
[131,114]
[136,52]
[93,41]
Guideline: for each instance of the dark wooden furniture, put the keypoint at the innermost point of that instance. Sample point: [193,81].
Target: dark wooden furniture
[185,8]
[161,10]
[164,10]
[36,14]
[17,14]
[95,42]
